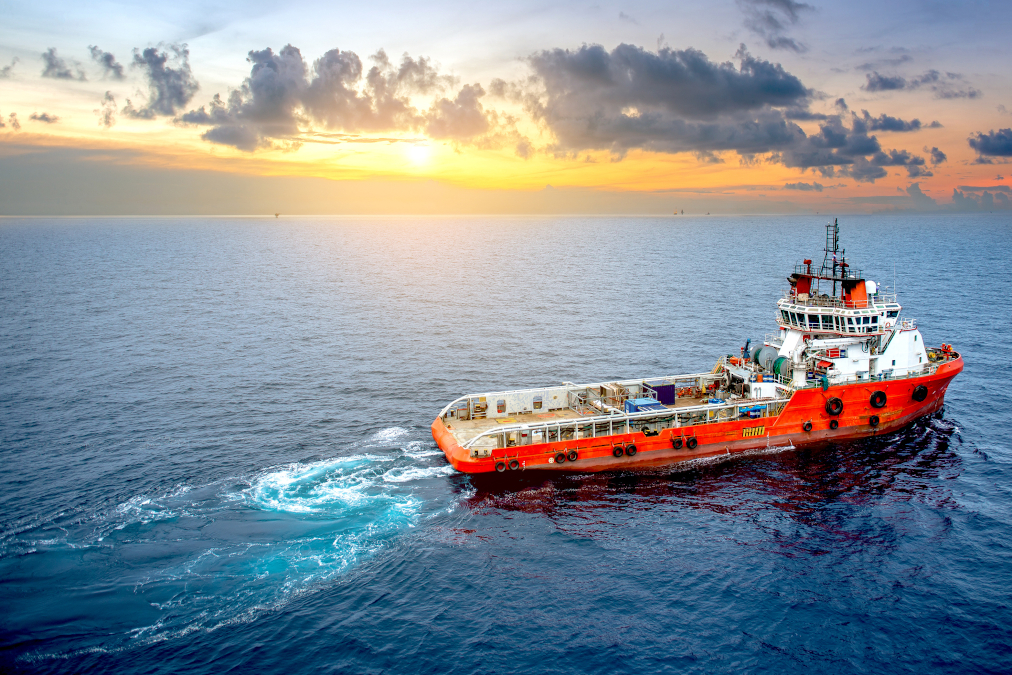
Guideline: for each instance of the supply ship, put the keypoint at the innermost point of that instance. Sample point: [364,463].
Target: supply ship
[843,365]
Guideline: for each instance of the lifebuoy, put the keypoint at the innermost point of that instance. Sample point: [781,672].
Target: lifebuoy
[833,424]
[878,399]
[617,451]
[514,465]
[560,458]
[571,455]
[807,426]
[834,406]
[873,420]
[920,393]
[691,443]
[630,449]
[677,443]
[500,466]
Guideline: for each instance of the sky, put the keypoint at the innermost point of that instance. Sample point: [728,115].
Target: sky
[727,106]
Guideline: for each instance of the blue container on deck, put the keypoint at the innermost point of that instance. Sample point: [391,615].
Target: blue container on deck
[635,405]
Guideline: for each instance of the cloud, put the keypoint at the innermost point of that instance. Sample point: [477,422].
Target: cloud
[110,66]
[771,19]
[283,97]
[993,143]
[879,63]
[107,113]
[976,188]
[944,85]
[920,199]
[12,120]
[668,101]
[44,117]
[59,69]
[7,71]
[937,156]
[1001,109]
[987,201]
[804,187]
[170,87]
[884,123]
[627,18]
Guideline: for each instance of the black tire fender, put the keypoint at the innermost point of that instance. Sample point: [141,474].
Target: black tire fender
[678,443]
[878,399]
[514,464]
[834,406]
[630,449]
[920,393]
[572,455]
[807,426]
[500,466]
[617,451]
[691,443]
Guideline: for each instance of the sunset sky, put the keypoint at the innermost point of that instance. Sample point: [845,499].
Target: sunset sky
[737,106]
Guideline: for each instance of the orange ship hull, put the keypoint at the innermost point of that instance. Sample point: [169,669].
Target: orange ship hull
[730,437]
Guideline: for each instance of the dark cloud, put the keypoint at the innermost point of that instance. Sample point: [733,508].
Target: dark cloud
[110,66]
[59,69]
[944,85]
[937,156]
[993,143]
[884,123]
[771,19]
[669,101]
[107,113]
[626,17]
[7,71]
[804,187]
[935,124]
[44,117]
[170,82]
[841,104]
[283,96]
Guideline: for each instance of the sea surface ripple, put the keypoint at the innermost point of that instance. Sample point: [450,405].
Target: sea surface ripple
[216,455]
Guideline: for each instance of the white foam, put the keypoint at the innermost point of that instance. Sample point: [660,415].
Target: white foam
[416,473]
[389,435]
[421,449]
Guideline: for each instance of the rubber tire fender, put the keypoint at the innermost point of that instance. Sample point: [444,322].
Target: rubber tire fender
[691,443]
[678,443]
[500,466]
[920,393]
[630,449]
[560,458]
[834,424]
[834,406]
[572,455]
[617,451]
[514,464]
[873,420]
[807,426]
[878,399]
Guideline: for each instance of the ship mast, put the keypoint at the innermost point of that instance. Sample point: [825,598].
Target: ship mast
[830,262]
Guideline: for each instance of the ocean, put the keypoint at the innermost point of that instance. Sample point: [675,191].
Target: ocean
[216,455]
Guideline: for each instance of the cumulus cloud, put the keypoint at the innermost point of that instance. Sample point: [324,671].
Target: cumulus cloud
[110,66]
[987,201]
[771,19]
[884,123]
[107,113]
[679,101]
[944,85]
[283,97]
[44,117]
[7,71]
[920,199]
[804,187]
[171,84]
[993,143]
[59,69]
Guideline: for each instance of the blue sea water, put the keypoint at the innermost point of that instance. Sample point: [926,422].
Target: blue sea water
[216,455]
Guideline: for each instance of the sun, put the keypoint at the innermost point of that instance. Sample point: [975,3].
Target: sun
[419,153]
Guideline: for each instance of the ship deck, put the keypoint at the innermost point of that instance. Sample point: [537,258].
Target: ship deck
[465,430]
